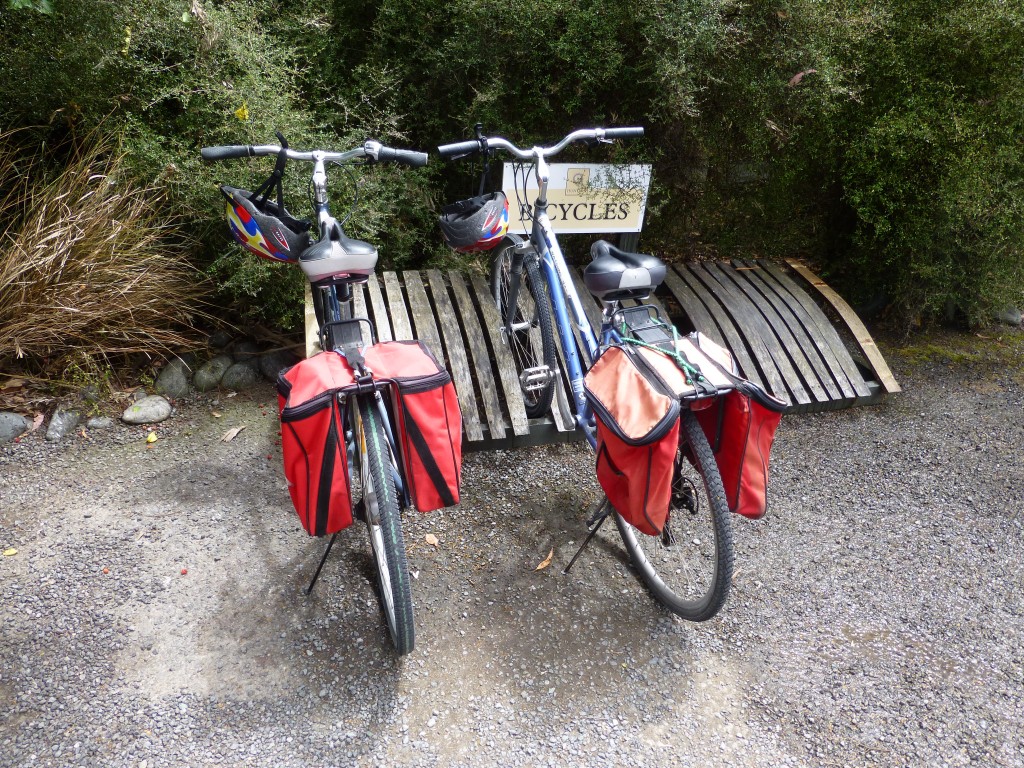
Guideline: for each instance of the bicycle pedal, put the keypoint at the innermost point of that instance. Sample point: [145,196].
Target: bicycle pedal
[532,379]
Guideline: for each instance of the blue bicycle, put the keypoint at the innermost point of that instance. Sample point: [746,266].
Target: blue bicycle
[688,566]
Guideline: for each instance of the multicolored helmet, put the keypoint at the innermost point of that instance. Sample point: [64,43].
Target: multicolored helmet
[476,224]
[264,227]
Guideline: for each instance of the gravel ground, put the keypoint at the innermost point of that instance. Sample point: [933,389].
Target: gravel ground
[154,616]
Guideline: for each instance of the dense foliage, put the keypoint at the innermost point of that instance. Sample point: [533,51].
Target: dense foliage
[880,139]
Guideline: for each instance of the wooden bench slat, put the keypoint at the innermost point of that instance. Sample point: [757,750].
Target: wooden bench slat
[422,315]
[380,310]
[496,423]
[502,357]
[860,333]
[833,344]
[396,303]
[787,354]
[831,376]
[458,362]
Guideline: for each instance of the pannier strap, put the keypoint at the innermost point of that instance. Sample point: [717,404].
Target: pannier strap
[419,444]
[691,372]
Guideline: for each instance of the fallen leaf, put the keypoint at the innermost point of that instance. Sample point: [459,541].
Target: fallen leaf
[216,415]
[10,552]
[547,561]
[13,384]
[151,437]
[230,394]
[37,422]
[231,434]
[431,539]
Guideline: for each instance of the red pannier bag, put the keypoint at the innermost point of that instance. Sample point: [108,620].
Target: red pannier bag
[741,428]
[313,441]
[637,417]
[429,421]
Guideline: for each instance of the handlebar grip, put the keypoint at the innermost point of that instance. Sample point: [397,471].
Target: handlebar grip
[623,133]
[404,156]
[459,149]
[225,153]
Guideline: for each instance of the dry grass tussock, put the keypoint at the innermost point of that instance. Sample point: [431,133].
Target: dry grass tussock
[90,266]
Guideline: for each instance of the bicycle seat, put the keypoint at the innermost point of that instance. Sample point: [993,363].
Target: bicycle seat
[337,255]
[615,274]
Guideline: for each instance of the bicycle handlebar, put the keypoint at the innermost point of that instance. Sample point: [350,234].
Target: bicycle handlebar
[374,151]
[464,148]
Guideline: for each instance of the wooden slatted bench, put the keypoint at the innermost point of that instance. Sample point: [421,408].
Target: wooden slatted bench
[762,311]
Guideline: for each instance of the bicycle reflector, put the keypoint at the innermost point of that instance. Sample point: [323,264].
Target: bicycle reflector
[258,229]
[476,224]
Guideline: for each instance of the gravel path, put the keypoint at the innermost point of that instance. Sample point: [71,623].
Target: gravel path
[153,614]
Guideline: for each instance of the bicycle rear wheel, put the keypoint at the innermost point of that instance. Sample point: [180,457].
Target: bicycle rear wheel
[383,520]
[688,568]
[530,339]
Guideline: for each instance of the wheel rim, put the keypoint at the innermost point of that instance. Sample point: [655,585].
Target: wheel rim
[682,563]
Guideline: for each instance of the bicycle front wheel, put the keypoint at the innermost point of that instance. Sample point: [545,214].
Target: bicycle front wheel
[688,568]
[530,338]
[383,520]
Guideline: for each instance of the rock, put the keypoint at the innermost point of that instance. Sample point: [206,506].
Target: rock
[245,350]
[173,379]
[219,340]
[273,362]
[241,376]
[61,424]
[90,393]
[148,410]
[12,425]
[1009,316]
[99,422]
[210,373]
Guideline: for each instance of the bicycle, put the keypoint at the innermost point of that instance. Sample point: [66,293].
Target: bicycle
[688,567]
[332,264]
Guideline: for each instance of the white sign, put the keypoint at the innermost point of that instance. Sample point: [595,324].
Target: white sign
[581,198]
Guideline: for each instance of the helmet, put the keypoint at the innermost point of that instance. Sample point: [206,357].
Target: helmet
[264,227]
[476,224]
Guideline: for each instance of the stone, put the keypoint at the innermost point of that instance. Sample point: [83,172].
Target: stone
[210,373]
[12,425]
[275,361]
[173,380]
[219,339]
[243,375]
[1009,316]
[99,422]
[245,350]
[62,423]
[148,410]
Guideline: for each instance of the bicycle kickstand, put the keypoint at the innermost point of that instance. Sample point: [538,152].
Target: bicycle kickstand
[320,567]
[596,520]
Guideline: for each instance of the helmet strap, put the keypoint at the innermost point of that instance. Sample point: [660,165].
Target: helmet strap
[274,181]
[485,153]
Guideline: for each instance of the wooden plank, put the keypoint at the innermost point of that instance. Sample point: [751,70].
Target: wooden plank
[805,334]
[506,367]
[788,354]
[732,338]
[833,345]
[396,304]
[458,361]
[359,310]
[691,304]
[470,322]
[734,306]
[380,310]
[860,333]
[422,315]
[312,327]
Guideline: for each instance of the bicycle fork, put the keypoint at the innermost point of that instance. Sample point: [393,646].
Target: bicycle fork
[537,377]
